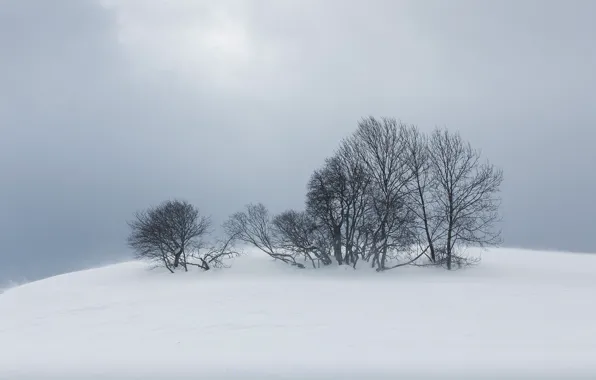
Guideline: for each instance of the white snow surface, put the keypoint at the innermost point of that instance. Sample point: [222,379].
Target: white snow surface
[518,314]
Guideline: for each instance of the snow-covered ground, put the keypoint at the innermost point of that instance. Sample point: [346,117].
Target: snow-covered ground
[520,313]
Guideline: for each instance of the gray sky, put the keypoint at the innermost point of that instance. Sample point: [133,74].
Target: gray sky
[107,107]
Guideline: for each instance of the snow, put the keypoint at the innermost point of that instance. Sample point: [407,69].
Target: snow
[521,313]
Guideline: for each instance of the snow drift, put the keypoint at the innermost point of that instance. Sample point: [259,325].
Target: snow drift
[520,313]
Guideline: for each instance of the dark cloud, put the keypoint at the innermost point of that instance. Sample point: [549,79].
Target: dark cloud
[105,109]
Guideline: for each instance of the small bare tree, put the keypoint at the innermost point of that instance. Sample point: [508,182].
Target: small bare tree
[298,232]
[466,192]
[168,233]
[255,227]
[209,256]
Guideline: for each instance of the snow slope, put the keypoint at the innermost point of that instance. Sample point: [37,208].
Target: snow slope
[519,313]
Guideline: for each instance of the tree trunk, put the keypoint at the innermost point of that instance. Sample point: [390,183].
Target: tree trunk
[337,244]
[177,256]
[383,256]
[449,232]
[373,251]
[205,264]
[349,258]
[184,261]
[384,249]
[429,239]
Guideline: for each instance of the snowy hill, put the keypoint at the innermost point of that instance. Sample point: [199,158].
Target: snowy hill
[519,313]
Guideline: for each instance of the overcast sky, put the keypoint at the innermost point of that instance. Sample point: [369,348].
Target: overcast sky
[107,107]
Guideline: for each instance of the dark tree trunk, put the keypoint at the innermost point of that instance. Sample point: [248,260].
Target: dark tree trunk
[349,254]
[450,230]
[448,248]
[383,257]
[177,256]
[337,244]
[429,239]
[384,248]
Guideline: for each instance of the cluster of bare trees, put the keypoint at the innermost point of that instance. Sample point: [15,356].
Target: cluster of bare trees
[173,235]
[389,196]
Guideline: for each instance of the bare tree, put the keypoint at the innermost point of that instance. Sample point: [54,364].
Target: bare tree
[422,202]
[337,200]
[166,234]
[356,202]
[326,201]
[381,148]
[298,232]
[206,256]
[467,194]
[254,226]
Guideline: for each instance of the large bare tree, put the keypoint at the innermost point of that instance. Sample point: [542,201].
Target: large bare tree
[326,201]
[466,191]
[380,146]
[168,233]
[356,202]
[422,202]
[337,201]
